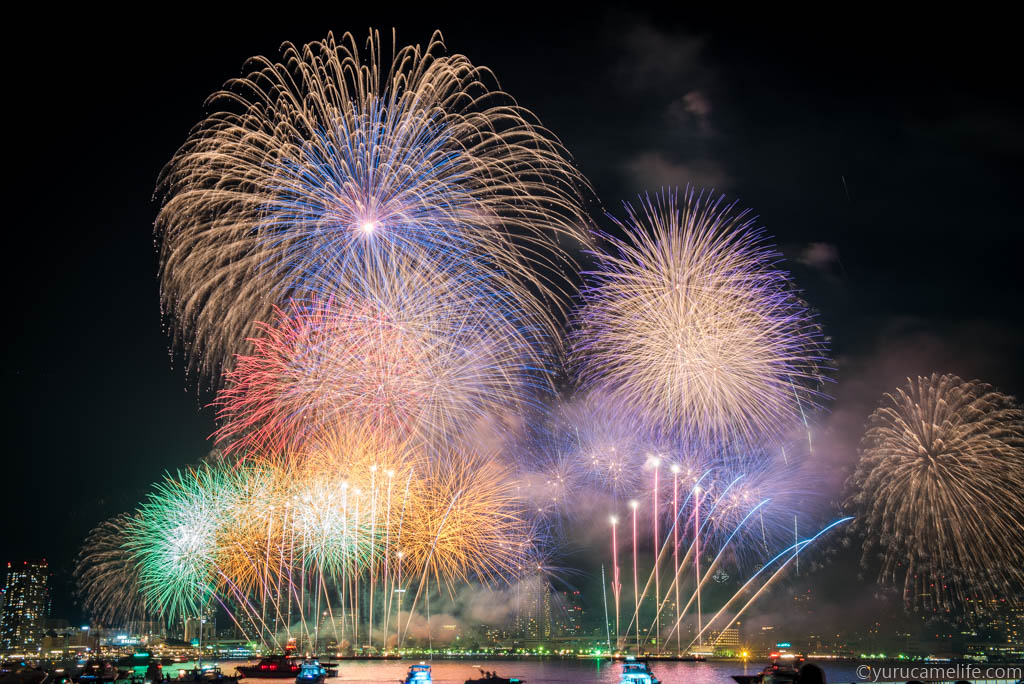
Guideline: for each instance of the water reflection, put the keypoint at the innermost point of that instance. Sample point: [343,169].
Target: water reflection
[536,671]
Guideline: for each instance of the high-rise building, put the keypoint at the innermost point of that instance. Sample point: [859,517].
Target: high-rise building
[191,630]
[571,622]
[24,606]
[533,609]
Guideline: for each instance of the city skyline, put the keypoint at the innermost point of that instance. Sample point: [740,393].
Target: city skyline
[544,621]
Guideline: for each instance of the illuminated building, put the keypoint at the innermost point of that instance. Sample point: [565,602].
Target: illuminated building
[727,639]
[572,619]
[191,629]
[24,605]
[533,613]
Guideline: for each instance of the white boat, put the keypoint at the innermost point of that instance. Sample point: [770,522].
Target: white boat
[311,672]
[637,672]
[418,674]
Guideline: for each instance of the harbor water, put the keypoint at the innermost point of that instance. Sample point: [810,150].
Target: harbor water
[554,671]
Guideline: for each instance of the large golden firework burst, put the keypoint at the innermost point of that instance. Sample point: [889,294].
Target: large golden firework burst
[940,489]
[689,320]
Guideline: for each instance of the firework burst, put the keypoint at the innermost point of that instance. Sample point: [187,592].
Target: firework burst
[940,485]
[334,156]
[410,351]
[108,579]
[465,521]
[610,444]
[251,541]
[348,496]
[174,540]
[690,320]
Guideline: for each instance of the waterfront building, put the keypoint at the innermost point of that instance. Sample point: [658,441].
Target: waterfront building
[726,641]
[533,609]
[24,606]
[571,622]
[192,626]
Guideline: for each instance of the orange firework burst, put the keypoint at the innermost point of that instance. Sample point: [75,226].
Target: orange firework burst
[251,546]
[464,521]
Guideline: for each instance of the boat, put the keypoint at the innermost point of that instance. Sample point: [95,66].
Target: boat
[21,673]
[637,672]
[59,676]
[203,675]
[330,668]
[273,666]
[311,672]
[99,671]
[783,671]
[154,673]
[418,674]
[494,678]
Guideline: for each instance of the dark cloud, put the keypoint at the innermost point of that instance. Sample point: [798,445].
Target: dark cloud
[653,170]
[674,137]
[819,255]
[692,109]
[653,59]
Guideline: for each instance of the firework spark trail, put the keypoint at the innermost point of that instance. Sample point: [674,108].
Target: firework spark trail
[707,574]
[423,583]
[616,583]
[797,546]
[675,540]
[607,626]
[655,516]
[689,319]
[335,156]
[700,526]
[214,534]
[733,495]
[940,489]
[636,593]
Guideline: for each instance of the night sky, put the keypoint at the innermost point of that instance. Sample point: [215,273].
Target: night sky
[885,154]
